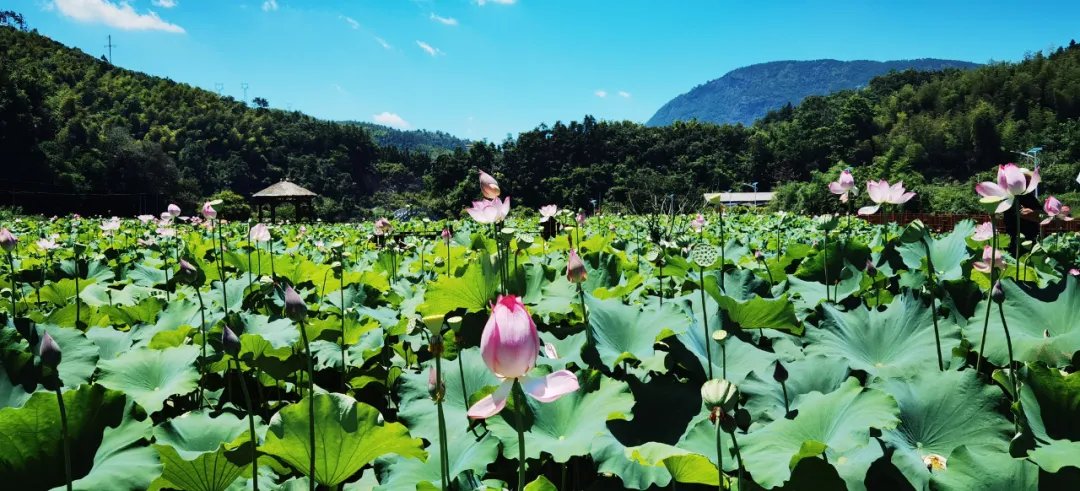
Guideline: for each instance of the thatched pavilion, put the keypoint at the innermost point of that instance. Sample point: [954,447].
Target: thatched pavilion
[284,192]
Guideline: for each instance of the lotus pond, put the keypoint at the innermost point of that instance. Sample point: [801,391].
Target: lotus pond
[745,351]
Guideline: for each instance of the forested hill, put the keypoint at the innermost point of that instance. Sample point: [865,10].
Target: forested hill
[412,140]
[745,94]
[71,123]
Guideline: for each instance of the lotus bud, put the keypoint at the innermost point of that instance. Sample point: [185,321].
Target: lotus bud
[173,210]
[49,351]
[760,256]
[575,268]
[780,374]
[294,304]
[8,240]
[997,294]
[445,235]
[719,394]
[489,186]
[229,341]
[871,270]
[914,232]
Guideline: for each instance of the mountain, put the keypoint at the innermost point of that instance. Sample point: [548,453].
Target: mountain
[425,141]
[746,94]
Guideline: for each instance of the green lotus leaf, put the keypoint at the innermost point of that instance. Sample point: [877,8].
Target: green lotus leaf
[841,420]
[123,461]
[985,469]
[349,436]
[567,427]
[194,450]
[80,355]
[948,252]
[692,469]
[417,408]
[467,452]
[896,342]
[614,458]
[939,412]
[110,342]
[152,376]
[733,360]
[765,396]
[624,332]
[472,291]
[11,394]
[1042,323]
[31,453]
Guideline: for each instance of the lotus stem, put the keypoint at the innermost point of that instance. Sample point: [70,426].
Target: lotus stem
[311,404]
[825,267]
[738,457]
[993,278]
[787,407]
[705,323]
[64,435]
[444,466]
[251,429]
[165,264]
[202,334]
[11,276]
[344,361]
[1008,344]
[584,315]
[721,478]
[933,304]
[519,407]
[221,269]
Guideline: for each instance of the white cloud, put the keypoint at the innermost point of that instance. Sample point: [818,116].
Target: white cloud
[269,5]
[601,93]
[450,21]
[351,21]
[429,49]
[624,94]
[165,4]
[382,42]
[391,119]
[500,2]
[121,16]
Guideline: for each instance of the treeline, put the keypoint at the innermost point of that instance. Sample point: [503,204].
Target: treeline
[70,122]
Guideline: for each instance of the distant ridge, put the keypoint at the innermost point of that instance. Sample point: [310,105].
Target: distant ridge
[746,94]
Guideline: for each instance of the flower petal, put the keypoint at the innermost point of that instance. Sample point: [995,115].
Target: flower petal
[1014,178]
[1004,205]
[988,189]
[492,403]
[868,210]
[836,188]
[551,387]
[1034,182]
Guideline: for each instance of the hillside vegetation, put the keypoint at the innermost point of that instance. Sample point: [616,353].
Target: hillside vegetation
[70,122]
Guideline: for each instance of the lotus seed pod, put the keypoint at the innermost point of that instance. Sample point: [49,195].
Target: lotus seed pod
[719,394]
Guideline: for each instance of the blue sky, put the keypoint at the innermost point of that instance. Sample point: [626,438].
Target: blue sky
[488,68]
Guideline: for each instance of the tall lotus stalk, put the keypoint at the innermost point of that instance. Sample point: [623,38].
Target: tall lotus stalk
[231,343]
[780,375]
[50,355]
[339,270]
[933,302]
[576,274]
[510,345]
[997,295]
[8,242]
[190,275]
[704,255]
[437,389]
[296,310]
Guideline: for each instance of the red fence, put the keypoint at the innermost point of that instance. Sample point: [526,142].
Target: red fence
[939,222]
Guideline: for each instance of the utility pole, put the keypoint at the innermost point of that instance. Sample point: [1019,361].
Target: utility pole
[110,46]
[244,85]
[218,87]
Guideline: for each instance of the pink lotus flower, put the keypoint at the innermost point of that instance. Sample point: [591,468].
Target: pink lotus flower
[575,268]
[166,231]
[1013,181]
[490,211]
[989,259]
[259,233]
[580,218]
[445,235]
[882,193]
[547,212]
[145,218]
[208,210]
[173,210]
[47,243]
[1074,272]
[489,186]
[983,232]
[843,185]
[1055,210]
[149,241]
[8,240]
[110,225]
[383,226]
[698,223]
[510,346]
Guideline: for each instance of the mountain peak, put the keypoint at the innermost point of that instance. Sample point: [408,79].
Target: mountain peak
[745,94]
